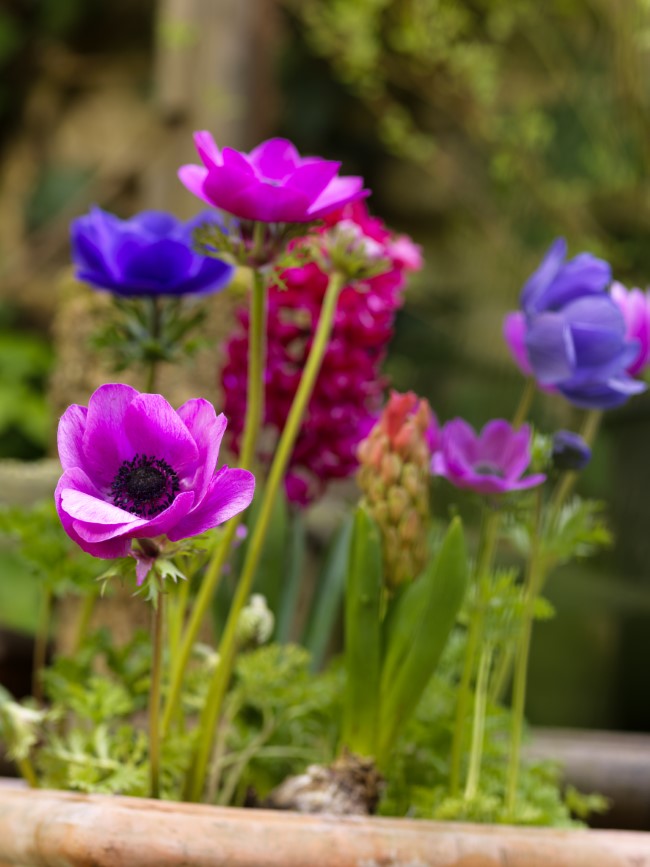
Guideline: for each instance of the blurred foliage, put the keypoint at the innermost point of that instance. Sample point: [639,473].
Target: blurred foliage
[25,362]
[536,112]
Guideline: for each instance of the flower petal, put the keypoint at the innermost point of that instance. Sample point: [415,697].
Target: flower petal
[70,436]
[193,178]
[275,159]
[153,427]
[543,276]
[229,492]
[550,348]
[514,332]
[207,428]
[105,445]
[338,192]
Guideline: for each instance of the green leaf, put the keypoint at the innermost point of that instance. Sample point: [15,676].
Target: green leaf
[417,632]
[326,606]
[362,636]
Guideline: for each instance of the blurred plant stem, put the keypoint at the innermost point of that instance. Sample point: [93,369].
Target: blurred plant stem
[155,692]
[40,643]
[227,647]
[525,403]
[154,339]
[485,556]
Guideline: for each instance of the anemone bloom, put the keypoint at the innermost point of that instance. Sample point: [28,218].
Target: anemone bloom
[492,462]
[149,254]
[571,335]
[135,468]
[271,184]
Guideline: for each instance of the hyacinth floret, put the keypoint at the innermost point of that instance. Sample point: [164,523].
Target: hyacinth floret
[394,479]
[348,392]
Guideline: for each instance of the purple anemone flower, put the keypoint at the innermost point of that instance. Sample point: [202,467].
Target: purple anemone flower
[150,254]
[571,335]
[272,183]
[135,468]
[491,462]
[635,307]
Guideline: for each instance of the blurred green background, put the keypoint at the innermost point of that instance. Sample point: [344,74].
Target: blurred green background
[484,128]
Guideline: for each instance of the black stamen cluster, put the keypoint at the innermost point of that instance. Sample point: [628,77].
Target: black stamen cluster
[145,486]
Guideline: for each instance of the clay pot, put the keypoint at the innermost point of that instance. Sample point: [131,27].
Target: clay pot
[41,828]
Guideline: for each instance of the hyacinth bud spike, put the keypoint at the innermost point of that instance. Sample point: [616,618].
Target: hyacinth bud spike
[394,478]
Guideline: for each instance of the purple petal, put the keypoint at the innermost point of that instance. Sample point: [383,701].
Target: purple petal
[459,446]
[603,395]
[275,159]
[105,445]
[91,509]
[141,528]
[70,436]
[542,277]
[584,275]
[506,448]
[550,348]
[153,267]
[514,332]
[153,427]
[207,429]
[229,492]
[143,565]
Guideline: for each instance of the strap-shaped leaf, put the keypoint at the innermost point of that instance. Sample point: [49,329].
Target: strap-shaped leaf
[362,636]
[416,633]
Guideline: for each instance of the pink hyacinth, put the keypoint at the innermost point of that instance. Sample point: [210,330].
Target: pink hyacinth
[348,393]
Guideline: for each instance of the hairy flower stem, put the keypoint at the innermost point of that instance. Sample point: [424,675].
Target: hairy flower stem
[254,414]
[154,695]
[227,647]
[487,546]
[40,644]
[154,336]
[534,579]
[525,402]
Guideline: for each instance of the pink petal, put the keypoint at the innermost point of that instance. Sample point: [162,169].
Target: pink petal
[312,178]
[338,193]
[153,427]
[207,428]
[70,436]
[105,445]
[232,159]
[141,528]
[207,149]
[514,332]
[193,178]
[275,158]
[229,493]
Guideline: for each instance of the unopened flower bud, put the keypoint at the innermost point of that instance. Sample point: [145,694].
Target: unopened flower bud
[569,451]
[256,622]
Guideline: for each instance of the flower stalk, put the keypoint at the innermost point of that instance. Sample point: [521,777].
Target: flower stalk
[487,547]
[155,693]
[227,647]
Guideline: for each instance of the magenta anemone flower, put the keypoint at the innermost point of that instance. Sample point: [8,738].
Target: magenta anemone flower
[135,468]
[271,184]
[491,462]
[635,307]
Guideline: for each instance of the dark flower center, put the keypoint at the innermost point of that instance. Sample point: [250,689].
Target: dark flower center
[487,468]
[145,486]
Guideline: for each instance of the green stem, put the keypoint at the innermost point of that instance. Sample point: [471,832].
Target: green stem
[525,403]
[227,648]
[84,614]
[254,413]
[40,644]
[154,336]
[176,609]
[154,695]
[533,585]
[478,727]
[487,545]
